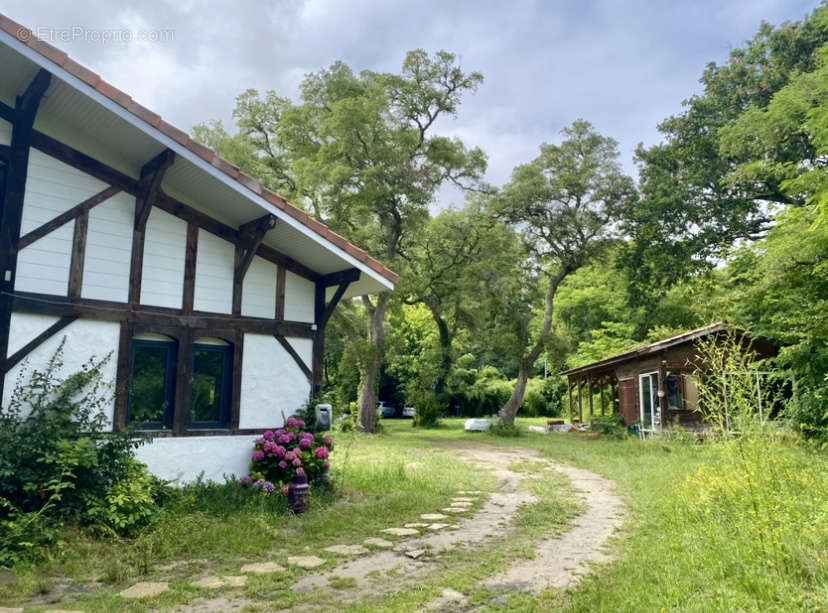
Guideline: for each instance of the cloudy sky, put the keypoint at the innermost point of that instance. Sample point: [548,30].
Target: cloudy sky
[624,65]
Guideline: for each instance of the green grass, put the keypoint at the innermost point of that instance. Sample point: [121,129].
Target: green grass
[709,528]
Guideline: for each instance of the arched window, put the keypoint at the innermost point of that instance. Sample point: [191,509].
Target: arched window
[211,388]
[152,381]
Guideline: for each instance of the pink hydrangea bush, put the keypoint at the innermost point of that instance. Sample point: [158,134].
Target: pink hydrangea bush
[279,454]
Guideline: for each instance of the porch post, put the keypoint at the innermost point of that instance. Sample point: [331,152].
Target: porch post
[589,383]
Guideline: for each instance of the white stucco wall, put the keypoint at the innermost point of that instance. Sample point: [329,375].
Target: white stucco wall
[162,281]
[259,289]
[109,249]
[299,298]
[183,459]
[214,274]
[84,339]
[272,384]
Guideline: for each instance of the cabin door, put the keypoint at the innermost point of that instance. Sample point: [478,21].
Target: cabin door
[649,407]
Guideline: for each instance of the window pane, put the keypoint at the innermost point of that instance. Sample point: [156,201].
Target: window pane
[208,375]
[149,384]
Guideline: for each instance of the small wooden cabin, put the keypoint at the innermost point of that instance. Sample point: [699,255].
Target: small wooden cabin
[653,385]
[125,236]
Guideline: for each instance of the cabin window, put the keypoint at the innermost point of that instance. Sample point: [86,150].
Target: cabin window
[152,381]
[675,394]
[211,387]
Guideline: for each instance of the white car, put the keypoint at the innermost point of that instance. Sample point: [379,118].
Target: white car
[409,412]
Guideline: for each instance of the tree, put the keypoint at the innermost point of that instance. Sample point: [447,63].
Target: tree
[360,152]
[690,213]
[567,205]
[456,253]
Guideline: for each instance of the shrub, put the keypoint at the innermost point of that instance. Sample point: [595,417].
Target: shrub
[505,430]
[57,462]
[611,426]
[278,455]
[427,411]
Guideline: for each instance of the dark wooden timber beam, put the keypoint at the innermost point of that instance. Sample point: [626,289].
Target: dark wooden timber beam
[33,344]
[78,256]
[251,235]
[329,309]
[106,310]
[190,255]
[322,313]
[152,173]
[350,275]
[296,357]
[7,112]
[5,153]
[11,206]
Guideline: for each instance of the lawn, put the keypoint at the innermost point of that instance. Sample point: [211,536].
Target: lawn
[709,528]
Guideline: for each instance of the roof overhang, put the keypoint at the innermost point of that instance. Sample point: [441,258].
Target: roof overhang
[73,107]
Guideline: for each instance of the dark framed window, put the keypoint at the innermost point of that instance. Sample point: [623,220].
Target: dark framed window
[210,392]
[152,383]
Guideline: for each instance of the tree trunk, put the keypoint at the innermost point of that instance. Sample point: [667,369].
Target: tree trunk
[368,386]
[445,358]
[510,409]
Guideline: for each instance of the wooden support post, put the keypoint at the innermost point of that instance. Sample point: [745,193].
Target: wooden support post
[580,403]
[123,375]
[281,278]
[149,187]
[571,405]
[589,384]
[190,255]
[183,381]
[601,386]
[238,356]
[322,313]
[11,213]
[251,235]
[78,255]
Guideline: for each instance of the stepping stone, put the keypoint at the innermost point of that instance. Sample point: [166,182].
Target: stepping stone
[461,504]
[305,561]
[59,611]
[452,595]
[401,531]
[433,516]
[11,610]
[469,492]
[377,542]
[347,550]
[262,568]
[416,525]
[145,589]
[463,499]
[414,553]
[214,583]
[454,510]
[436,527]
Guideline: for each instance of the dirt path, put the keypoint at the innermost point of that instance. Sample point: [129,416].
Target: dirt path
[559,562]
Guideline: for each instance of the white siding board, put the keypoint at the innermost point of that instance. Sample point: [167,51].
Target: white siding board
[109,249]
[214,274]
[43,266]
[162,282]
[52,188]
[259,289]
[85,339]
[272,383]
[299,298]
[185,459]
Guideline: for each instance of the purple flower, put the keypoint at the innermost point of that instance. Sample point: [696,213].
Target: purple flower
[300,423]
[290,455]
[300,472]
[283,464]
[328,442]
[260,441]
[284,490]
[322,453]
[291,436]
[268,447]
[292,422]
[307,435]
[284,439]
[268,435]
[305,443]
[279,451]
[246,480]
[258,484]
[258,455]
[297,462]
[268,487]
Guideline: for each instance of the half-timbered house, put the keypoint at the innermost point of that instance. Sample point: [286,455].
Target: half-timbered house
[125,236]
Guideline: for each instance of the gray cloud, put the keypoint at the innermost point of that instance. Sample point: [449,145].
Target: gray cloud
[624,66]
